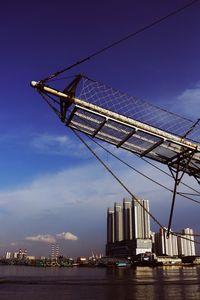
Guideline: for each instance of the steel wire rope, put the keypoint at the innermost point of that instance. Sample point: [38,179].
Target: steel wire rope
[142,174]
[105,149]
[179,193]
[144,101]
[161,170]
[191,234]
[61,78]
[46,100]
[191,194]
[198,193]
[112,173]
[142,29]
[124,186]
[156,182]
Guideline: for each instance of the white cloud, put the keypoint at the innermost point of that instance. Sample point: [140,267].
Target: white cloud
[189,101]
[67,236]
[89,184]
[50,144]
[56,145]
[73,197]
[49,238]
[44,238]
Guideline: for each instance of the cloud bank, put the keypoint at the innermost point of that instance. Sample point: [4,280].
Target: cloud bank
[67,236]
[77,197]
[43,238]
[60,145]
[52,239]
[189,100]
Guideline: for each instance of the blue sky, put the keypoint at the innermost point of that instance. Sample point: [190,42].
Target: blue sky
[49,183]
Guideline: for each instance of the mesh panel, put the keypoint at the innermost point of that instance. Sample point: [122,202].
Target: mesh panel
[138,139]
[137,109]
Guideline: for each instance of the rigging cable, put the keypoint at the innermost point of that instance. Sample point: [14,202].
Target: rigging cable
[112,173]
[161,170]
[142,29]
[142,174]
[44,96]
[124,186]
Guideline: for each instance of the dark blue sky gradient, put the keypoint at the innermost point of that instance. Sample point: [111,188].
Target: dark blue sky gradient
[160,65]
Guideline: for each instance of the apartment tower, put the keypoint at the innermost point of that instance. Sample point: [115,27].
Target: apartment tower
[186,245]
[110,226]
[118,222]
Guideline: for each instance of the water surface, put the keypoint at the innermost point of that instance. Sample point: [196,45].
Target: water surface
[31,283]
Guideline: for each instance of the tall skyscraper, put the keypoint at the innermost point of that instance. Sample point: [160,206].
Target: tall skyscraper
[127,220]
[118,222]
[110,226]
[186,245]
[131,229]
[129,234]
[140,219]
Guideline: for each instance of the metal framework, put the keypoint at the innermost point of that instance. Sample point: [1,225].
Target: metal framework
[129,123]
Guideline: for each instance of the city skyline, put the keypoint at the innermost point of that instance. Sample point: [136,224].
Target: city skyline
[50,185]
[129,233]
[128,228]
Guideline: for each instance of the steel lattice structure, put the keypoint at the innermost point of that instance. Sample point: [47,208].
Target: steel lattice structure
[128,122]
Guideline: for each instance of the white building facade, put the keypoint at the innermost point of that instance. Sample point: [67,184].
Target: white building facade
[186,244]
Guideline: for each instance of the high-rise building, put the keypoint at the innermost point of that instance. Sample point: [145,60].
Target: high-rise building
[186,245]
[110,226]
[166,245]
[118,222]
[127,220]
[141,219]
[131,229]
[141,226]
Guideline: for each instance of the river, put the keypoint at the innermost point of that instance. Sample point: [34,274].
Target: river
[160,283]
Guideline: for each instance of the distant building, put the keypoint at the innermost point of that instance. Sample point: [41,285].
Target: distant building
[141,226]
[31,257]
[141,219]
[131,229]
[186,245]
[110,226]
[127,220]
[118,222]
[129,234]
[55,251]
[182,245]
[8,255]
[166,245]
[22,254]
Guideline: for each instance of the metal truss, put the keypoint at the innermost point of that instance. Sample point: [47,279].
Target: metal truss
[130,124]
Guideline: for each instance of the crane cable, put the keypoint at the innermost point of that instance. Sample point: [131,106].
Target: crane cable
[142,29]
